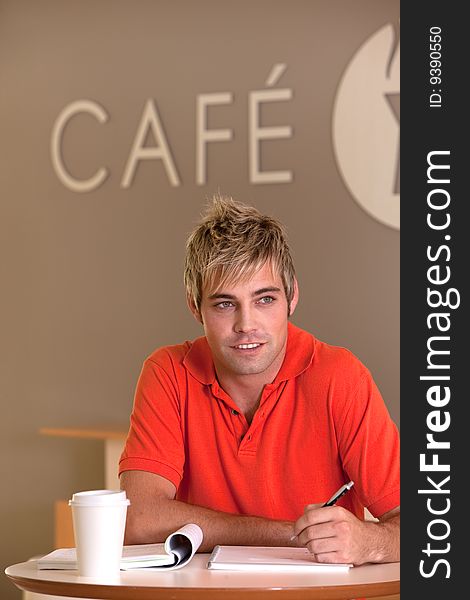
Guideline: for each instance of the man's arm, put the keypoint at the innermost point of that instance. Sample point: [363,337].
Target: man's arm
[154,513]
[333,534]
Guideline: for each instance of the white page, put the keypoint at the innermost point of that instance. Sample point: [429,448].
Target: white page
[250,558]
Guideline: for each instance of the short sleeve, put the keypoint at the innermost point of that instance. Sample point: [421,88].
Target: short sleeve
[155,440]
[369,445]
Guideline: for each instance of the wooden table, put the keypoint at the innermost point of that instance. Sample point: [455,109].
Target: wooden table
[196,582]
[113,445]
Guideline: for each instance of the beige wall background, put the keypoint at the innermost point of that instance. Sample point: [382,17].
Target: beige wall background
[92,282]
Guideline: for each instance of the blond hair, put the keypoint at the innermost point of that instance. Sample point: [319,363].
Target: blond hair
[231,243]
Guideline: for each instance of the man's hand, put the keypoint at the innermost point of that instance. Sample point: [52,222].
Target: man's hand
[334,535]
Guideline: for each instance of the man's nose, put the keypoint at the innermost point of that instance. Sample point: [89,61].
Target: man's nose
[245,320]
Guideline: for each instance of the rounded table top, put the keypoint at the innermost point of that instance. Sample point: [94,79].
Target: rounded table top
[196,582]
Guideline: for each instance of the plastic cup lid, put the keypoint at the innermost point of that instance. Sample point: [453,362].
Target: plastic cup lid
[99,498]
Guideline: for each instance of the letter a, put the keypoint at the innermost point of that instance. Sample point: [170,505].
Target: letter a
[150,120]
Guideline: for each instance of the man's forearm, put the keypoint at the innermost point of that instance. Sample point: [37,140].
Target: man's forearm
[156,522]
[384,540]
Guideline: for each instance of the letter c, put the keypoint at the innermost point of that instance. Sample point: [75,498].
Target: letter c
[76,185]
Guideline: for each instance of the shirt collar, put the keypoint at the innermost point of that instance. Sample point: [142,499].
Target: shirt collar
[299,355]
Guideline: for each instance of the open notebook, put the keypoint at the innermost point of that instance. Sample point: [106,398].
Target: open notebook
[264,558]
[177,551]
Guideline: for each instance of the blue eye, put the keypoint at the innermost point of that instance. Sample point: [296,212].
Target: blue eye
[224,304]
[266,300]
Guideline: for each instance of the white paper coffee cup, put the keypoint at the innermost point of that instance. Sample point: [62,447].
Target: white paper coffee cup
[99,521]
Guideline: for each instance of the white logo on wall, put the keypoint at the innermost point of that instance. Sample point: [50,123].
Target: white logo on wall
[366,125]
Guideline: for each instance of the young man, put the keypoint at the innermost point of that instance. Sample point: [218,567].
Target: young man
[248,430]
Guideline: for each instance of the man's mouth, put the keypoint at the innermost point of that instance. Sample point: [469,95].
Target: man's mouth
[247,346]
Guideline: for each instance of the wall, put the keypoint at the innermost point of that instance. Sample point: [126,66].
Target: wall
[92,281]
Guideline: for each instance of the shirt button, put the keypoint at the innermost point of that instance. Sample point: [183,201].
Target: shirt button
[234,412]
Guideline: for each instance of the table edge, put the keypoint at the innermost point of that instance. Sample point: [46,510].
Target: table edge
[121,592]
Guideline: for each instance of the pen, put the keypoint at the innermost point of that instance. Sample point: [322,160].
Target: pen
[342,490]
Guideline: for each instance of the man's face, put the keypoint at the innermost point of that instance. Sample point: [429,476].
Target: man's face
[246,325]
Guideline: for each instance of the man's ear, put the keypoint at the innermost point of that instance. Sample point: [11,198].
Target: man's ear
[192,307]
[295,298]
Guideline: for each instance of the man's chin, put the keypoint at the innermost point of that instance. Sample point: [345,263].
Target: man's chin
[244,368]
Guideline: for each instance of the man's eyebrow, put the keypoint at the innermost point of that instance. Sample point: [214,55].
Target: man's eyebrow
[215,296]
[259,292]
[266,290]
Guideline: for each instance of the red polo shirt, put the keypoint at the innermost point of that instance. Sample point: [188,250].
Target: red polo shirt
[320,423]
